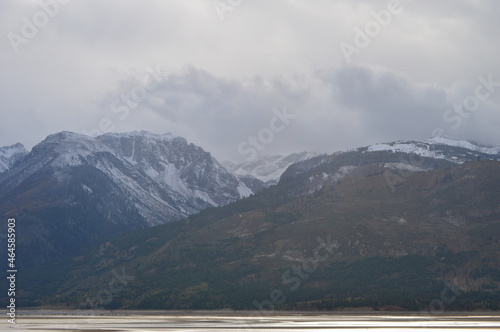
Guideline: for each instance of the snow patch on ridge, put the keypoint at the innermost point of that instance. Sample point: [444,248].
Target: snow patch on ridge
[403,167]
[423,151]
[433,148]
[343,172]
[464,144]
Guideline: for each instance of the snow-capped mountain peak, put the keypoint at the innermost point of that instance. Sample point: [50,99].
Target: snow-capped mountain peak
[163,176]
[439,148]
[465,145]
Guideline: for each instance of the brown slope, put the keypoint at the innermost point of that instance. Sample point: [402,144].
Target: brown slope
[374,218]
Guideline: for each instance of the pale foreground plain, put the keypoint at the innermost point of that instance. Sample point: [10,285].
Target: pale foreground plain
[42,321]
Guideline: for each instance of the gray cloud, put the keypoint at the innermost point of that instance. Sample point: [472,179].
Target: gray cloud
[222,79]
[388,105]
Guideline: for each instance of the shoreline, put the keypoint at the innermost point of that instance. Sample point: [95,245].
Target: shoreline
[244,313]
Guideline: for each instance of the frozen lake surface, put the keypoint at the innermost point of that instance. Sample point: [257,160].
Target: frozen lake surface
[242,321]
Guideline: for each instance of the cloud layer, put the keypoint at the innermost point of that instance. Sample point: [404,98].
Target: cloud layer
[216,72]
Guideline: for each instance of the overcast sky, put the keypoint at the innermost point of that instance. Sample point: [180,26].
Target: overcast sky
[319,75]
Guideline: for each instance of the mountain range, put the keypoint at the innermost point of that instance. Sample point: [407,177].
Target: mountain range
[395,223]
[72,190]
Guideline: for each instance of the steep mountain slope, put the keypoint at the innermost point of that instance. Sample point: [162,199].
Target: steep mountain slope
[354,242]
[11,155]
[73,190]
